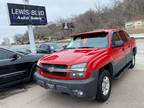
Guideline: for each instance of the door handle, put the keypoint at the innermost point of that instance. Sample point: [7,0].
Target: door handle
[123,49]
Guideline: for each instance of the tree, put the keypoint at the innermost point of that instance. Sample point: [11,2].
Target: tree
[18,38]
[6,41]
[112,15]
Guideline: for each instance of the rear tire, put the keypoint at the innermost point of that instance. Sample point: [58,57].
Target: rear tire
[104,86]
[132,62]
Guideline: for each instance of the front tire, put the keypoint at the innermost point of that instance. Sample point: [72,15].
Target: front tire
[104,86]
[32,72]
[132,62]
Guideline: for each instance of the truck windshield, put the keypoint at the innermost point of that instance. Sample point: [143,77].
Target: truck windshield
[98,40]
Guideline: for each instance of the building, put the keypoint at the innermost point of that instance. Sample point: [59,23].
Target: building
[138,23]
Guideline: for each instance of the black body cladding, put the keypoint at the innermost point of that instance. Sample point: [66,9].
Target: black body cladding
[16,68]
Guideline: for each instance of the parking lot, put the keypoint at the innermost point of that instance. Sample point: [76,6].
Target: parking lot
[127,92]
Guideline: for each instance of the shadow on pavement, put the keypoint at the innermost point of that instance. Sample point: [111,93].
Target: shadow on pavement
[15,89]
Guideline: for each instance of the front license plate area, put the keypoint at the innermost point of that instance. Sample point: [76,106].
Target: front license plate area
[50,86]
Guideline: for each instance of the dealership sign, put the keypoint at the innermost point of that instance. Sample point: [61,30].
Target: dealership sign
[27,14]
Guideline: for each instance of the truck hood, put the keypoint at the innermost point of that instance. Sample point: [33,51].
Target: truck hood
[72,56]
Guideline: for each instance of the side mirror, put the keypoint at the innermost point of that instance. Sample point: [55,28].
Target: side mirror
[14,57]
[117,44]
[130,38]
[64,46]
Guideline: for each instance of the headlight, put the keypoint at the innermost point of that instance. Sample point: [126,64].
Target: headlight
[38,63]
[79,70]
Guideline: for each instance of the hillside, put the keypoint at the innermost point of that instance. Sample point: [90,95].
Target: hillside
[102,17]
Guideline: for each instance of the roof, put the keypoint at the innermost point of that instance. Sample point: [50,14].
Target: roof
[94,32]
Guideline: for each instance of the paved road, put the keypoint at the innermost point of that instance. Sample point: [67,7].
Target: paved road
[127,92]
[140,46]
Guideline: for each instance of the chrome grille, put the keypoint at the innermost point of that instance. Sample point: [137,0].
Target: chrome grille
[56,66]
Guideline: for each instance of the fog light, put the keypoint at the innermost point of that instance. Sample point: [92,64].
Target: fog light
[78,92]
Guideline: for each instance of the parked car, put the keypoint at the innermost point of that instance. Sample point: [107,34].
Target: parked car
[87,65]
[21,50]
[49,48]
[16,67]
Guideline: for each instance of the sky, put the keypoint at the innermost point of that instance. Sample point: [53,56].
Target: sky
[55,9]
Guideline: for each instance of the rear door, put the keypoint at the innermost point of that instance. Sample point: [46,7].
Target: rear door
[10,70]
[117,54]
[127,47]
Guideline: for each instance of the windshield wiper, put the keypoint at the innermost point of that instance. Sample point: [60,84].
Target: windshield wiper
[86,47]
[78,47]
[71,48]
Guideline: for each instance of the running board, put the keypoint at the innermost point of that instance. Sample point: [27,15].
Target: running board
[117,76]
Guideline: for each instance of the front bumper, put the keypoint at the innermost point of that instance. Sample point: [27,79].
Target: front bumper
[80,88]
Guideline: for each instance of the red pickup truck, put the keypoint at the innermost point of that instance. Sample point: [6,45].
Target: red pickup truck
[87,65]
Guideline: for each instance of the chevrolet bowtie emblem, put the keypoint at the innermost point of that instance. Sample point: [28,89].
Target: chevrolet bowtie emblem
[51,69]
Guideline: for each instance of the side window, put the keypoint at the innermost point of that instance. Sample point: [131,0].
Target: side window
[115,37]
[123,36]
[127,35]
[4,54]
[43,46]
[52,47]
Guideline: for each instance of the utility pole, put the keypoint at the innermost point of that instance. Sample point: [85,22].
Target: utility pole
[31,34]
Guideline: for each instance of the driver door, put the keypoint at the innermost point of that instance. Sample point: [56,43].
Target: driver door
[118,54]
[9,68]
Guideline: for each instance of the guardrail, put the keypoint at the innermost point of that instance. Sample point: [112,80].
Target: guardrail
[137,36]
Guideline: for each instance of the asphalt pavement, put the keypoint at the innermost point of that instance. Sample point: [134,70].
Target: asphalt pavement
[127,92]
